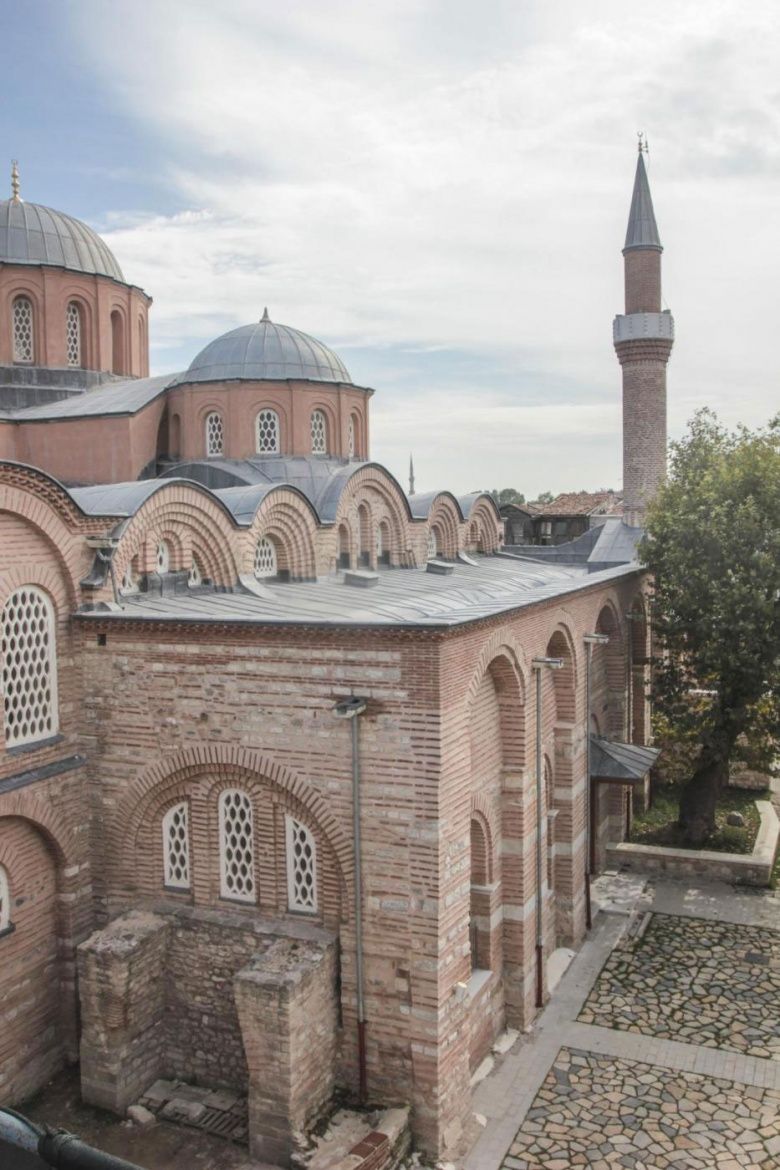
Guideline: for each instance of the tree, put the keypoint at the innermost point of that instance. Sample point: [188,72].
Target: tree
[713,547]
[544,498]
[507,496]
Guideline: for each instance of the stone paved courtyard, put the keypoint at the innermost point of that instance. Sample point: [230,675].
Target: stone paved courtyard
[714,984]
[601,1112]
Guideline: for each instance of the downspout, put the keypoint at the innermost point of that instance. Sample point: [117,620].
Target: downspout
[588,793]
[539,859]
[56,1147]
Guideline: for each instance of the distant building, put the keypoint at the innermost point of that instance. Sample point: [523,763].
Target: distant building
[572,513]
[518,522]
[229,640]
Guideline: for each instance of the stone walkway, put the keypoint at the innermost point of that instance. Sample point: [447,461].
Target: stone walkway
[577,1093]
[710,983]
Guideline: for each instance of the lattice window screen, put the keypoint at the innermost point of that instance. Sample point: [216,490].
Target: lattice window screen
[433,544]
[301,867]
[5,900]
[267,432]
[351,437]
[215,434]
[236,854]
[195,577]
[163,557]
[176,847]
[319,433]
[23,330]
[29,672]
[73,334]
[265,558]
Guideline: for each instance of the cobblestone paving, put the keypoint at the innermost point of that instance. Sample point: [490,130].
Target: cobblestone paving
[602,1113]
[707,983]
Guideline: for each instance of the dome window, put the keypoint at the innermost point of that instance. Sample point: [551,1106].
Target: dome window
[29,672]
[162,562]
[117,343]
[215,435]
[176,847]
[351,437]
[265,558]
[236,850]
[267,433]
[73,334]
[24,350]
[319,433]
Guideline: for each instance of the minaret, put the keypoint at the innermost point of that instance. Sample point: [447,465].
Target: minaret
[643,338]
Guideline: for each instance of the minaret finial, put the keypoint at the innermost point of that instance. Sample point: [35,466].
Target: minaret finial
[265,316]
[411,475]
[15,197]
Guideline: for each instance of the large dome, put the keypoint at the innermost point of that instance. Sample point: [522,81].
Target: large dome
[265,351]
[31,234]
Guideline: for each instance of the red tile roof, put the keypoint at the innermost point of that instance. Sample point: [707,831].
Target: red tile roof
[585,504]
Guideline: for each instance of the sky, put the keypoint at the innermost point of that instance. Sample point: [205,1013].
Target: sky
[437,189]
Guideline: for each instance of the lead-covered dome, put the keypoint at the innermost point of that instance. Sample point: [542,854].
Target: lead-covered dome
[267,351]
[32,234]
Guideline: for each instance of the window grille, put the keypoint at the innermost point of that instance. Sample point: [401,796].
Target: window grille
[195,577]
[433,544]
[29,674]
[319,433]
[215,434]
[23,330]
[267,432]
[351,437]
[5,900]
[236,864]
[73,334]
[265,558]
[301,867]
[163,557]
[176,847]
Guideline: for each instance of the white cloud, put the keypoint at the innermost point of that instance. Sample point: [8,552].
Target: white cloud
[455,175]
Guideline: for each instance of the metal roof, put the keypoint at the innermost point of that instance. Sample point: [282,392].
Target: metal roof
[403,597]
[265,350]
[612,760]
[125,397]
[422,502]
[642,231]
[617,543]
[32,234]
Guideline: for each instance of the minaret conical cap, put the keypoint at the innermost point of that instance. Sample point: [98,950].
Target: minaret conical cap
[642,229]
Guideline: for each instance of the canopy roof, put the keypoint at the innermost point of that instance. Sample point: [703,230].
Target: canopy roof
[626,762]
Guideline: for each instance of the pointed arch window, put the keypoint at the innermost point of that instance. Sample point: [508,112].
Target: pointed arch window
[22,321]
[433,543]
[5,900]
[319,433]
[236,846]
[73,332]
[162,561]
[267,433]
[176,847]
[266,563]
[301,867]
[117,343]
[195,576]
[29,674]
[351,440]
[215,434]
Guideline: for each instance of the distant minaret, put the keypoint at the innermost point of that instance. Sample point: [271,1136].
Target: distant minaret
[411,476]
[643,339]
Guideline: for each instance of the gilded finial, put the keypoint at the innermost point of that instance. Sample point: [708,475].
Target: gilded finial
[265,316]
[643,145]
[15,197]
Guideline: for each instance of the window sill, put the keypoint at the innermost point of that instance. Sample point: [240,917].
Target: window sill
[22,749]
[479,977]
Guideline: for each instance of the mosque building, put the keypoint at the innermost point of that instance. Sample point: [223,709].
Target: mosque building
[302,778]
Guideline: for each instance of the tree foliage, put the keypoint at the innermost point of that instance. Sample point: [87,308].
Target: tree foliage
[713,546]
[507,496]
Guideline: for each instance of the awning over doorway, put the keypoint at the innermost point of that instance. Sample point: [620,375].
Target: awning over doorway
[623,763]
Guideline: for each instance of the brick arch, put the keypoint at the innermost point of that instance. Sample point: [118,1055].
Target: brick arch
[37,813]
[332,436]
[67,546]
[483,813]
[500,661]
[385,501]
[445,516]
[191,520]
[288,521]
[283,418]
[483,517]
[561,645]
[228,765]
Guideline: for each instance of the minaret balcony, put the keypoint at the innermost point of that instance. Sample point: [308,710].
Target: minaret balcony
[643,327]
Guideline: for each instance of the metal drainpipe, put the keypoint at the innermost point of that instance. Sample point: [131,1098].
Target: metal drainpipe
[539,867]
[56,1147]
[588,810]
[361,1007]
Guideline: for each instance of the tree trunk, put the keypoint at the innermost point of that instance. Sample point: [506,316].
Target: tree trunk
[700,795]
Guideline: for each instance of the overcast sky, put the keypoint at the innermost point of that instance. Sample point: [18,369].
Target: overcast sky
[438,189]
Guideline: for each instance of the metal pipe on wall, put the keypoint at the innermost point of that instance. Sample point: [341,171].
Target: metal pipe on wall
[538,664]
[590,641]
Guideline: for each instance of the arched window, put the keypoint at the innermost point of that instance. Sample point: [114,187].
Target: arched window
[351,437]
[141,346]
[364,528]
[479,937]
[195,577]
[236,852]
[117,343]
[214,434]
[267,433]
[176,847]
[162,561]
[129,579]
[265,558]
[301,867]
[319,433]
[29,673]
[174,445]
[24,345]
[433,543]
[344,559]
[73,334]
[383,543]
[5,900]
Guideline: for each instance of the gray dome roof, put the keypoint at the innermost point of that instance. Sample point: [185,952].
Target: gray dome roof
[265,351]
[31,234]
